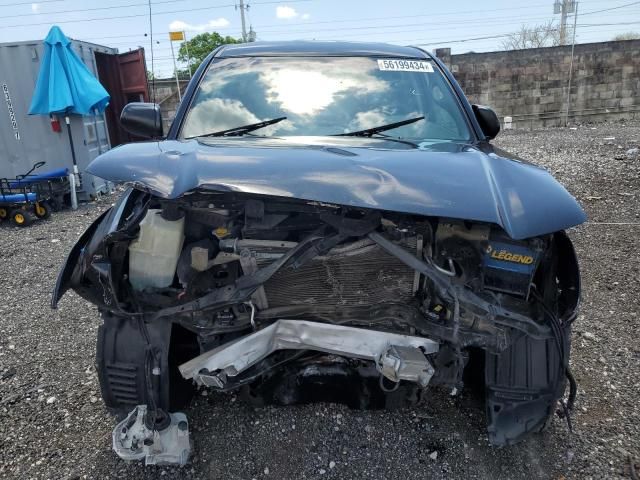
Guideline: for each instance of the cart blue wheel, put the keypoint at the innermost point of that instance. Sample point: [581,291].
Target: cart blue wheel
[21,218]
[4,213]
[42,209]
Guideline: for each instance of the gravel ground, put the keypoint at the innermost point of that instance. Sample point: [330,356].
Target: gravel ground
[54,425]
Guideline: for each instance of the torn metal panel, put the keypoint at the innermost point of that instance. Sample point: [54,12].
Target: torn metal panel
[405,363]
[213,367]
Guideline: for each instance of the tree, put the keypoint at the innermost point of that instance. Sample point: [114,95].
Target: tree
[627,36]
[545,35]
[200,46]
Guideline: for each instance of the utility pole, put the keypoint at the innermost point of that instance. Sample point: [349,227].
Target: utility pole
[175,72]
[242,8]
[252,34]
[176,36]
[186,46]
[573,46]
[563,23]
[564,8]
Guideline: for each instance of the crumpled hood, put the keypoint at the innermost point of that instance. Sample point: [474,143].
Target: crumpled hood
[446,179]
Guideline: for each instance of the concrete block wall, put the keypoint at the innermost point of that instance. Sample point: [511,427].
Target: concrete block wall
[531,85]
[166,94]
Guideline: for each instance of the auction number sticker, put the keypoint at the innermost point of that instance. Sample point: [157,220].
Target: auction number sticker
[396,64]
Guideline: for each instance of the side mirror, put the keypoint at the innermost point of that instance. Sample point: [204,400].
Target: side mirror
[142,119]
[488,121]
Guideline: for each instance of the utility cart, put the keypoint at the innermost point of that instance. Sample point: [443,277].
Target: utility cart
[53,185]
[20,203]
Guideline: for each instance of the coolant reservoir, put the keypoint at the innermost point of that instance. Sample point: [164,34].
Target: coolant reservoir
[153,256]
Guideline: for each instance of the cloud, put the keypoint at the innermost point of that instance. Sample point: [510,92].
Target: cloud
[306,91]
[285,12]
[178,25]
[217,114]
[305,16]
[35,7]
[364,120]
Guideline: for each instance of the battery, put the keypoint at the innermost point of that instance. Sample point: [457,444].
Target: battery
[509,267]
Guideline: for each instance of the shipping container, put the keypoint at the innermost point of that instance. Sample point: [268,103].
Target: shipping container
[27,139]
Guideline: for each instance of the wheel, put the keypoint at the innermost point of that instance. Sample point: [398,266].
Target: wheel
[4,213]
[56,203]
[42,209]
[21,218]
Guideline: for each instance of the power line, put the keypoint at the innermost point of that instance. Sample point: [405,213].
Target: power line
[109,18]
[27,3]
[360,20]
[144,14]
[406,31]
[401,30]
[385,28]
[457,14]
[91,9]
[488,37]
[274,25]
[609,9]
[364,19]
[590,28]
[403,26]
[607,24]
[474,38]
[287,25]
[462,40]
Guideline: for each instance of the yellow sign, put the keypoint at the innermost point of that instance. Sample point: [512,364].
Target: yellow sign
[175,36]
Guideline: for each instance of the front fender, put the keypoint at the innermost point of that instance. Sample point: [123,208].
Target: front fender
[525,381]
[74,267]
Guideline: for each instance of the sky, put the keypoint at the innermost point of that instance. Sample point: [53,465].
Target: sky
[462,25]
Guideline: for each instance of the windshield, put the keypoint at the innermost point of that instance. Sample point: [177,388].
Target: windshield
[326,96]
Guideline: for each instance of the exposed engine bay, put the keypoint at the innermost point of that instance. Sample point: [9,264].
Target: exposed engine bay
[289,301]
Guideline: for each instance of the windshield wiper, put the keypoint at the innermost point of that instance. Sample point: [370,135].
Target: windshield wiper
[372,131]
[397,140]
[238,131]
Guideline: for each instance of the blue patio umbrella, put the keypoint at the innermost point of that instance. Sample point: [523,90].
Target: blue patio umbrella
[65,85]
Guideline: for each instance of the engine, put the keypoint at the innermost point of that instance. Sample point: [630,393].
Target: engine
[213,241]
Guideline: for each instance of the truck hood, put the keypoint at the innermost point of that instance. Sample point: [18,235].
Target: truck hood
[437,179]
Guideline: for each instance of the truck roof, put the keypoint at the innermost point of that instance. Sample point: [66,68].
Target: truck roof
[320,48]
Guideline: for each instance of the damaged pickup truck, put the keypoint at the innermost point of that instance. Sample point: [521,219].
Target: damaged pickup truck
[325,221]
